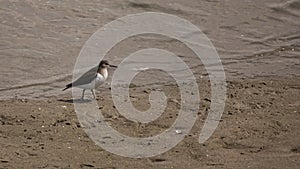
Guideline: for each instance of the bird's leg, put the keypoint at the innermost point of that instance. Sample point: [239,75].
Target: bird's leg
[82,97]
[93,93]
[138,127]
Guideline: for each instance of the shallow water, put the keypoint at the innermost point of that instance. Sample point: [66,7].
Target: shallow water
[40,40]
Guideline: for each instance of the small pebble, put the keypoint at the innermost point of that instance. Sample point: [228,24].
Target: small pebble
[24,100]
[178,131]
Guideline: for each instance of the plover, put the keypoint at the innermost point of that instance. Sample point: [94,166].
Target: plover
[91,79]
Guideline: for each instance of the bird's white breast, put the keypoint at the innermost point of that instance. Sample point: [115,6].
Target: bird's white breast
[99,80]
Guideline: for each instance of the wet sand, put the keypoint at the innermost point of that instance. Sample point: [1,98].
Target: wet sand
[258,43]
[41,40]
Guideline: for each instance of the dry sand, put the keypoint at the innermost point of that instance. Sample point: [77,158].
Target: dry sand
[258,42]
[259,129]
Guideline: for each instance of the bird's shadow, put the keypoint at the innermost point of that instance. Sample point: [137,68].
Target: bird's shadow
[75,100]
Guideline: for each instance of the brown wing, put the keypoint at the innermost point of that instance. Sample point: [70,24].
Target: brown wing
[85,78]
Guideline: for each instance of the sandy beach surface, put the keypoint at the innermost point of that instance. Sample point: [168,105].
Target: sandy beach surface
[257,41]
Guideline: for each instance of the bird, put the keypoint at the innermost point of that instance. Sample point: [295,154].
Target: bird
[92,78]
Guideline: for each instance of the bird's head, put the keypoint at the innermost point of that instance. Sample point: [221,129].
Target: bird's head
[105,64]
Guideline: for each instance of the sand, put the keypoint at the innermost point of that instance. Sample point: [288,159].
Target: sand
[257,41]
[259,129]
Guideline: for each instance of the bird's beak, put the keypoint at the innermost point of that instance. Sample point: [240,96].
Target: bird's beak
[113,66]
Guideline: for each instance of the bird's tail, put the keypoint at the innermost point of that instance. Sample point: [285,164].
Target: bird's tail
[67,86]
